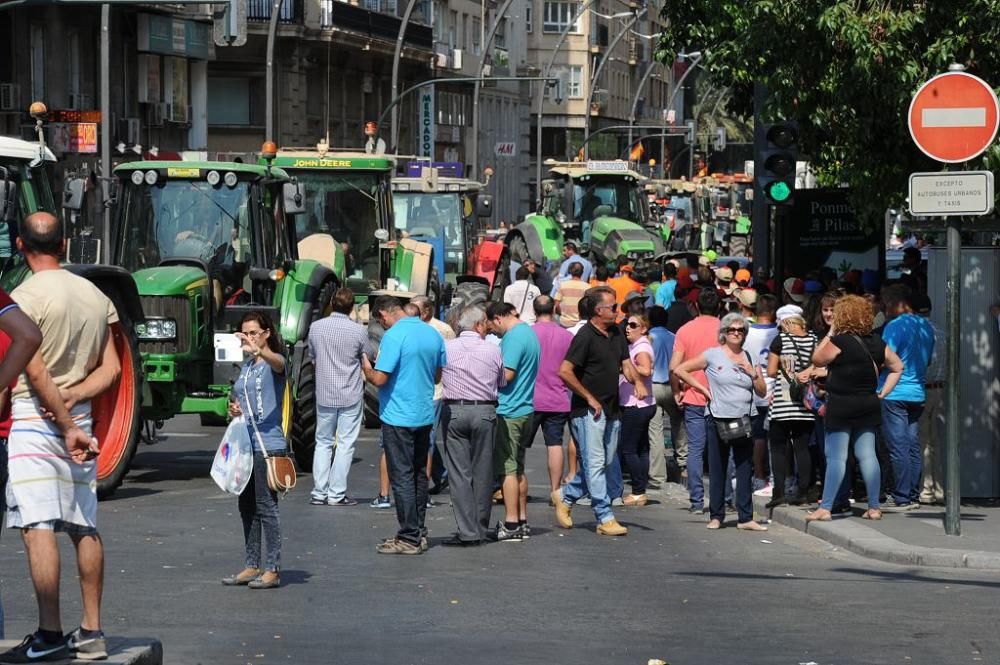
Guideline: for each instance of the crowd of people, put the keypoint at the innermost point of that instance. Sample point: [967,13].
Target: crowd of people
[784,389]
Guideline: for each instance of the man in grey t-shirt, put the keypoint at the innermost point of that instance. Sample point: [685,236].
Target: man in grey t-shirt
[337,345]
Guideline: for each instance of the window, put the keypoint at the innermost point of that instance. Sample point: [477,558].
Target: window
[558,15]
[529,14]
[477,35]
[452,28]
[574,82]
[74,64]
[235,101]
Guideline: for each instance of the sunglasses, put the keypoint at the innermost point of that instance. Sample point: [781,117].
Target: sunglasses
[633,324]
[736,331]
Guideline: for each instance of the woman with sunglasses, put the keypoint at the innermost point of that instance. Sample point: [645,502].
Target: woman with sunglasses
[636,413]
[732,381]
[257,395]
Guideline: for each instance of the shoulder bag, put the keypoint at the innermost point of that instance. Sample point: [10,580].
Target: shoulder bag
[281,475]
[796,390]
[733,429]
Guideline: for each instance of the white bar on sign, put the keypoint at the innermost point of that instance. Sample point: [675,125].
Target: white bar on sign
[954,117]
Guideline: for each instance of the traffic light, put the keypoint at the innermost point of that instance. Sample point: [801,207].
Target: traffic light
[776,148]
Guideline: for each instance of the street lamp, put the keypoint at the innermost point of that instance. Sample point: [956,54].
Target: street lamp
[597,73]
[479,84]
[394,122]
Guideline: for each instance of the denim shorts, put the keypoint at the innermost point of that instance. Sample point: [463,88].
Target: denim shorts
[553,426]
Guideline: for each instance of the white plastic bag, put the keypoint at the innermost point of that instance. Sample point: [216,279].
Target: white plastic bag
[233,463]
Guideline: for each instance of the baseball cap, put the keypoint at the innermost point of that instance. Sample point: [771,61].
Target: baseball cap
[788,312]
[627,268]
[795,288]
[813,286]
[747,297]
[743,276]
[724,274]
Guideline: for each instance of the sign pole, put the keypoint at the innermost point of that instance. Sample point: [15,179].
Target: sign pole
[953,345]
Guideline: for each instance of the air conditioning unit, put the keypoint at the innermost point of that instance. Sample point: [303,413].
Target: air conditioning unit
[8,96]
[441,60]
[456,58]
[80,102]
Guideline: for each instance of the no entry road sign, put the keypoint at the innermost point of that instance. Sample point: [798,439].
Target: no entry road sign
[954,117]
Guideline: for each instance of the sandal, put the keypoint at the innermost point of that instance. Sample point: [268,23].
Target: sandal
[635,500]
[872,514]
[819,515]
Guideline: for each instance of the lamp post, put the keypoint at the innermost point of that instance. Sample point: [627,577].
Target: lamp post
[695,57]
[394,122]
[635,99]
[269,92]
[479,83]
[596,75]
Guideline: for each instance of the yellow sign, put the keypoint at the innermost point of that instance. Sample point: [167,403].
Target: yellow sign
[323,163]
[175,172]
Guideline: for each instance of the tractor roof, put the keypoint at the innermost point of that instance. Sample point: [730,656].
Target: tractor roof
[183,169]
[21,149]
[574,170]
[304,158]
[444,184]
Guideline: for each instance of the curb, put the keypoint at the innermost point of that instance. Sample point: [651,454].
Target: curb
[847,534]
[121,651]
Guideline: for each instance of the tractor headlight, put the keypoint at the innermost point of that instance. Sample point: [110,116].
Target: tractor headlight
[155,329]
[633,255]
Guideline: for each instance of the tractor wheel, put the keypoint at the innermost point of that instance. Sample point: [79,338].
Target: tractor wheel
[323,307]
[303,426]
[117,425]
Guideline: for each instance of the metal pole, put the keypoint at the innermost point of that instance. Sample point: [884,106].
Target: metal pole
[394,122]
[760,231]
[635,99]
[541,97]
[597,73]
[953,478]
[479,84]
[106,127]
[271,35]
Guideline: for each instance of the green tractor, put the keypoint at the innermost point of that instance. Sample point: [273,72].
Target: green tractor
[206,242]
[26,187]
[601,205]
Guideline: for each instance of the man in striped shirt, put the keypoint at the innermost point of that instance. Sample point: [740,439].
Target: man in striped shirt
[471,379]
[568,296]
[336,345]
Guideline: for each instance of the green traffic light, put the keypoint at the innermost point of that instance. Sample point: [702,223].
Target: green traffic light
[779,191]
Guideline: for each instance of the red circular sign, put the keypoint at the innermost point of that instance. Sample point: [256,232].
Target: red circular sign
[954,117]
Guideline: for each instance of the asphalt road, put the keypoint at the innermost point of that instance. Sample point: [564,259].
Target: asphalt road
[670,589]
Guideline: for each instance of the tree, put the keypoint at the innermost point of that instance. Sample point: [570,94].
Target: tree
[846,70]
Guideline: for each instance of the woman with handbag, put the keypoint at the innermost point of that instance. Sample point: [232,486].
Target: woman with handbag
[790,363]
[257,395]
[636,413]
[732,381]
[854,356]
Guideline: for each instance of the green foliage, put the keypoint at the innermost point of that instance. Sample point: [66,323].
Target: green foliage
[846,70]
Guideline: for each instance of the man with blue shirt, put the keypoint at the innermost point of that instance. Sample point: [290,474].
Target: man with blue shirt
[570,256]
[515,412]
[665,294]
[663,348]
[409,363]
[912,338]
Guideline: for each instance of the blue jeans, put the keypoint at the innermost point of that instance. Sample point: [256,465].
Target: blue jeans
[837,442]
[332,457]
[718,452]
[695,423]
[900,426]
[597,450]
[259,511]
[406,458]
[438,470]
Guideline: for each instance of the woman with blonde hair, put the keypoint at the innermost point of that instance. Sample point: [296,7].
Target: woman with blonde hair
[854,356]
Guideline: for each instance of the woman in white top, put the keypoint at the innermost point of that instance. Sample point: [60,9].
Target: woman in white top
[636,413]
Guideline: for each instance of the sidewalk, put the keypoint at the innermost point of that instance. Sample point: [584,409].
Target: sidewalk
[121,651]
[913,538]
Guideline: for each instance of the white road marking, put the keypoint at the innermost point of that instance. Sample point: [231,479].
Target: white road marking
[954,117]
[183,435]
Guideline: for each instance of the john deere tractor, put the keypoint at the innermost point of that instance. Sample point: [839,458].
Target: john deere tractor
[601,205]
[26,187]
[206,242]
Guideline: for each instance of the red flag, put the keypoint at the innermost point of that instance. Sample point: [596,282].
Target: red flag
[637,152]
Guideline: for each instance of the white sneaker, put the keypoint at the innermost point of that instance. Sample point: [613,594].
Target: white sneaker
[617,501]
[765,491]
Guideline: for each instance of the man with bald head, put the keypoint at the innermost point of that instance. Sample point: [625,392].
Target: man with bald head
[53,465]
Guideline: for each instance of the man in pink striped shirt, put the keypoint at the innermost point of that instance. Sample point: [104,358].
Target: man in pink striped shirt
[470,379]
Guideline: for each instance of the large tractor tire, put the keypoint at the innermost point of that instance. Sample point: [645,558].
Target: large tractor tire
[117,425]
[302,434]
[518,248]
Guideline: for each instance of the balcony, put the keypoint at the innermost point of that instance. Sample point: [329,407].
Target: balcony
[260,10]
[374,18]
